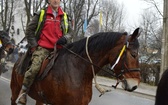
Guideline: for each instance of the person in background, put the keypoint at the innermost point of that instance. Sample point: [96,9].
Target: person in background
[15,55]
[54,29]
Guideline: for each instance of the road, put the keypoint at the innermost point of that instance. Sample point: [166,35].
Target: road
[120,97]
[115,97]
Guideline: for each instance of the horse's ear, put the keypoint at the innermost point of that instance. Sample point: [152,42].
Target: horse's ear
[136,33]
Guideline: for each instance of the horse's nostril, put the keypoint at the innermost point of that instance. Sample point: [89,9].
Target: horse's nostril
[135,87]
[132,89]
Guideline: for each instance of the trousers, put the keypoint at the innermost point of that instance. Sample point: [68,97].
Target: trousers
[36,61]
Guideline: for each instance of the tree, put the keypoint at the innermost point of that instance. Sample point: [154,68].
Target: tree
[6,14]
[150,49]
[79,10]
[113,16]
[31,6]
[164,52]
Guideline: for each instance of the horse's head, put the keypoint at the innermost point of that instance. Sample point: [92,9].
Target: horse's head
[6,44]
[127,69]
[115,48]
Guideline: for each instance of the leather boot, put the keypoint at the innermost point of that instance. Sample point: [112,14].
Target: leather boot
[22,98]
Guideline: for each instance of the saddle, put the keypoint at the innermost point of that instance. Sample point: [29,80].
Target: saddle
[47,64]
[25,61]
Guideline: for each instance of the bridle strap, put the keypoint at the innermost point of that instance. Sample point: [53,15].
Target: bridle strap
[112,68]
[124,70]
[121,53]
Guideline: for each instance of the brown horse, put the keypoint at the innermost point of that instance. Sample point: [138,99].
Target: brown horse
[7,47]
[69,82]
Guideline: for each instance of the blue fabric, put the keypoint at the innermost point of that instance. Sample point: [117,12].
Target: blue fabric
[85,25]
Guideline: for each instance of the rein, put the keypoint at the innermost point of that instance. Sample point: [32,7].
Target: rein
[98,87]
[87,60]
[123,51]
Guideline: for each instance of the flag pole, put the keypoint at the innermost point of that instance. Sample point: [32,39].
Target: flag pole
[85,20]
[100,17]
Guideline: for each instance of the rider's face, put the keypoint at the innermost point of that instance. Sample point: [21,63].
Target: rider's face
[54,4]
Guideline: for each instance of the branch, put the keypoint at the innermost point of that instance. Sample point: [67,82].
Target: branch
[154,3]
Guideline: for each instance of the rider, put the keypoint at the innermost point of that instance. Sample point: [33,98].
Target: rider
[41,40]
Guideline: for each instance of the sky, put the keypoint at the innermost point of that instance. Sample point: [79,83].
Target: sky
[134,10]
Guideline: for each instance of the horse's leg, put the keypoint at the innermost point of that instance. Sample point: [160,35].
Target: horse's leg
[39,103]
[15,88]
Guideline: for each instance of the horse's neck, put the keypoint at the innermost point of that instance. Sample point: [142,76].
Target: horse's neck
[97,61]
[103,58]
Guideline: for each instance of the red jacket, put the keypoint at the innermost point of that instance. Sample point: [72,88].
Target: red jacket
[51,31]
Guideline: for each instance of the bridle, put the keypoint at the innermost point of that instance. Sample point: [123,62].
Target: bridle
[125,69]
[121,54]
[118,76]
[4,46]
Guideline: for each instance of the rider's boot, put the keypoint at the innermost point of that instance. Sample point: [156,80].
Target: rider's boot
[22,98]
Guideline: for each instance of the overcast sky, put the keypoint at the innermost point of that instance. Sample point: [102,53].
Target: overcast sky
[134,9]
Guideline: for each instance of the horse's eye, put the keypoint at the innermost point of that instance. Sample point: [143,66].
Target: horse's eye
[133,54]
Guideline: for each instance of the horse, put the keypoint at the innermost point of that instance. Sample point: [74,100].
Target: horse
[162,92]
[6,48]
[69,81]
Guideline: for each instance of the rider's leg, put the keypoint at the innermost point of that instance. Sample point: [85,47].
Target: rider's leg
[38,56]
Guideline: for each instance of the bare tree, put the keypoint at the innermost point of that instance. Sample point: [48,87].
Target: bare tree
[113,16]
[6,14]
[79,10]
[150,49]
[93,27]
[31,6]
[164,61]
[155,5]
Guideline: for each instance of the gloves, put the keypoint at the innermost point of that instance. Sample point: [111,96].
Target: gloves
[62,41]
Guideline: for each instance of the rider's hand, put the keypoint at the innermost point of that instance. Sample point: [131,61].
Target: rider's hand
[62,41]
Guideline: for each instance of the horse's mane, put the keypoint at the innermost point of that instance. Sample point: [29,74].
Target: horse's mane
[100,41]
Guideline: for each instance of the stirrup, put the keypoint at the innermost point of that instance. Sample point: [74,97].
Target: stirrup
[18,99]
